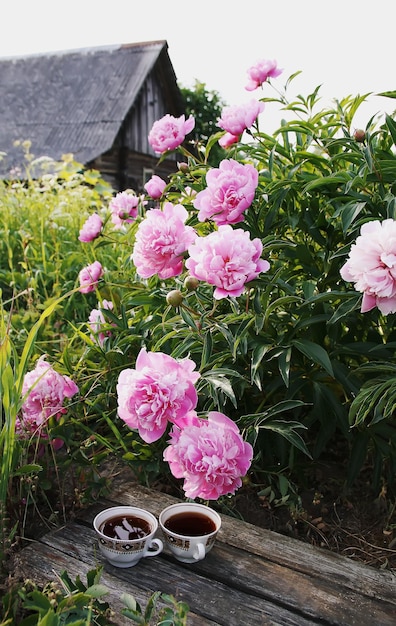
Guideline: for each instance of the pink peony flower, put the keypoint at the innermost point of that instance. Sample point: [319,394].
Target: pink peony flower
[236,119]
[161,241]
[169,132]
[96,321]
[260,73]
[124,208]
[91,228]
[227,259]
[231,188]
[44,391]
[228,140]
[155,187]
[209,454]
[89,277]
[159,390]
[372,266]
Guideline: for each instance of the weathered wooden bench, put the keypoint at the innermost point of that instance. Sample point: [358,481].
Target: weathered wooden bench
[252,576]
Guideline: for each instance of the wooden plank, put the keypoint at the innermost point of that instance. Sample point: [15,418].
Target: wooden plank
[252,576]
[292,553]
[246,573]
[41,562]
[211,602]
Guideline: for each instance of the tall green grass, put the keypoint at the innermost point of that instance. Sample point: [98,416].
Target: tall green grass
[40,257]
[12,372]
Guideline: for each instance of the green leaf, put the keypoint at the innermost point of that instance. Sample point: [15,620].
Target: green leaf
[315,352]
[220,382]
[129,601]
[94,576]
[96,591]
[206,350]
[281,407]
[31,468]
[387,94]
[51,619]
[151,604]
[325,181]
[391,124]
[288,430]
[258,354]
[38,601]
[284,360]
[281,303]
[188,319]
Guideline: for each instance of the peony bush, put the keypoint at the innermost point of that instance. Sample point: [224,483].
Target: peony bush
[230,325]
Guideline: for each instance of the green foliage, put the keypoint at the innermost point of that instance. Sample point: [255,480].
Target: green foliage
[206,107]
[82,604]
[171,613]
[297,335]
[72,602]
[292,360]
[36,272]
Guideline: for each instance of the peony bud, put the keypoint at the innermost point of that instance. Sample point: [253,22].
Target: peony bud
[191,283]
[174,297]
[183,167]
[359,135]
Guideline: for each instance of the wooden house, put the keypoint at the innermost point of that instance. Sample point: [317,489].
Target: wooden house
[97,104]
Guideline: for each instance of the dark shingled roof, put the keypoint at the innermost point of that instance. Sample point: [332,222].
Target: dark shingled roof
[76,98]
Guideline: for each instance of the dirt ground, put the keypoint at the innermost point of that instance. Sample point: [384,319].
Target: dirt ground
[359,526]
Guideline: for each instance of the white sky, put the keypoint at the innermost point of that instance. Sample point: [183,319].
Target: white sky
[347,46]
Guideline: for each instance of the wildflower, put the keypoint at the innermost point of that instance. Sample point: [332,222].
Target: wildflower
[227,259]
[89,277]
[260,73]
[209,454]
[96,321]
[161,240]
[155,187]
[91,228]
[159,390]
[44,391]
[230,191]
[372,265]
[124,208]
[236,119]
[169,132]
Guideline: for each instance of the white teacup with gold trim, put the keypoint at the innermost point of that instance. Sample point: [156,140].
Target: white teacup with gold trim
[126,534]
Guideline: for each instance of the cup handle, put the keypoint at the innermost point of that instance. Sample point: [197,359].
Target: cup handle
[199,552]
[151,550]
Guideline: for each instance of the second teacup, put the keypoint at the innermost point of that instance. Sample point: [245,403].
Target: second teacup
[189,530]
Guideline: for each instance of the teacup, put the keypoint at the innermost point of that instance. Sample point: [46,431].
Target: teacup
[189,530]
[126,535]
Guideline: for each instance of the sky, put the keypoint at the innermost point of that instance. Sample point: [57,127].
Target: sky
[346,46]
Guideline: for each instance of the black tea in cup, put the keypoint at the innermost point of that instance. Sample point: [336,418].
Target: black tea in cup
[126,527]
[190,523]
